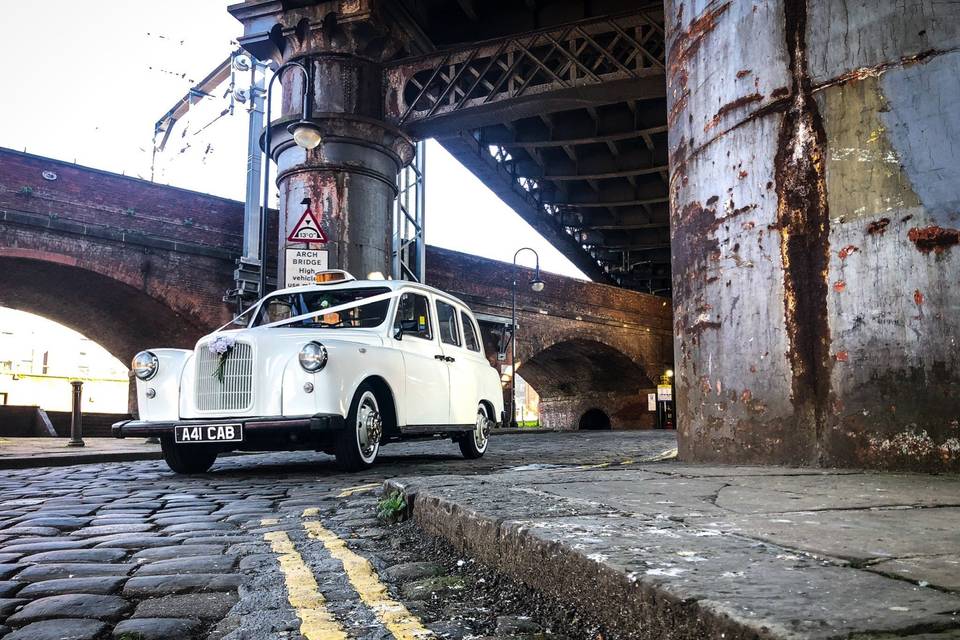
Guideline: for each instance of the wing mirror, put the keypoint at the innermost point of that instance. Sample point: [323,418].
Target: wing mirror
[398,332]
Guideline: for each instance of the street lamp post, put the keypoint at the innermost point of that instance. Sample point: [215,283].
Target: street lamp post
[536,284]
[305,133]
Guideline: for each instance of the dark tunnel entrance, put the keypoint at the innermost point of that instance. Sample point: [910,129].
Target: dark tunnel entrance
[594,420]
[586,384]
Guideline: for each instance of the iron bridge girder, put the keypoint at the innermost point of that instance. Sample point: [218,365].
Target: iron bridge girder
[588,62]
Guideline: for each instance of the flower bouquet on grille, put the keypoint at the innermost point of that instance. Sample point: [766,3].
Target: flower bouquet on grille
[221,346]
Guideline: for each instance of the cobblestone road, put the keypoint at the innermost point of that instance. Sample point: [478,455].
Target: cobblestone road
[264,546]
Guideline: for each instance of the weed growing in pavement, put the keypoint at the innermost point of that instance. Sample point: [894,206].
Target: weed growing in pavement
[393,508]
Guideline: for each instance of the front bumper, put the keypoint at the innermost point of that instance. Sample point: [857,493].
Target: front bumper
[258,427]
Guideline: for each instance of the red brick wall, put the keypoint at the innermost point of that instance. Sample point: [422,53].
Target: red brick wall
[132,264]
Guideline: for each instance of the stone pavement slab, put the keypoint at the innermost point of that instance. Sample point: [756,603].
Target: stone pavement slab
[26,453]
[704,551]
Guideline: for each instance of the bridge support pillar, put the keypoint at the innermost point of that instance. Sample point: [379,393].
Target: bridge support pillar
[350,180]
[816,231]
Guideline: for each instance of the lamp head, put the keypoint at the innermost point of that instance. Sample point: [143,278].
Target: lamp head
[536,284]
[305,133]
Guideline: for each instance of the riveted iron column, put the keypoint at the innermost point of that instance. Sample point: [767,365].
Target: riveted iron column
[814,245]
[349,181]
[76,415]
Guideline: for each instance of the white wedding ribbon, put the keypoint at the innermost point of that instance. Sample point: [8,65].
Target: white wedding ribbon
[380,297]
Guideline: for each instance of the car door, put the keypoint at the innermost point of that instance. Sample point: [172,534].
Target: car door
[426,381]
[463,379]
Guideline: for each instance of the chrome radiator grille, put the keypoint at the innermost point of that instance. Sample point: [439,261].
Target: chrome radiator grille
[235,393]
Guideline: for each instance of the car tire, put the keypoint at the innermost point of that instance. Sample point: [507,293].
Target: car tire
[190,458]
[474,444]
[358,444]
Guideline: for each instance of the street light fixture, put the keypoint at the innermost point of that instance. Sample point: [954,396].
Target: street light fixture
[306,134]
[536,285]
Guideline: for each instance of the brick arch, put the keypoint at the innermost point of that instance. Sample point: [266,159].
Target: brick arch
[122,318]
[574,365]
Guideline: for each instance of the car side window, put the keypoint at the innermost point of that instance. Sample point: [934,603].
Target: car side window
[447,319]
[413,316]
[470,338]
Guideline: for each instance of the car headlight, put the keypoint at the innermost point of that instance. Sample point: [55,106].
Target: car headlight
[145,365]
[313,357]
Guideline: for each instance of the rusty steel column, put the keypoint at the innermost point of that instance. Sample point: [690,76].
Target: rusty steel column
[815,218]
[350,180]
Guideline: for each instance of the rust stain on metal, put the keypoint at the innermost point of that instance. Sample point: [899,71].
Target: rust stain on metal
[677,109]
[839,286]
[842,356]
[878,226]
[934,238]
[688,40]
[918,297]
[731,106]
[743,73]
[879,69]
[804,223]
[780,92]
[847,251]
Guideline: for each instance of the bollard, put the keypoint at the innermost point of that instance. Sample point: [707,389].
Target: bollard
[76,417]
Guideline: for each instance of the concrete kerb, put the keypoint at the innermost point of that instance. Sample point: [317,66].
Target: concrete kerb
[643,576]
[596,591]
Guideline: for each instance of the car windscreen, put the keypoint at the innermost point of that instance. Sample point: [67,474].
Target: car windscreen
[289,305]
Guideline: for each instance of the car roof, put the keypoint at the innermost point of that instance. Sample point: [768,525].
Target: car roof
[393,285]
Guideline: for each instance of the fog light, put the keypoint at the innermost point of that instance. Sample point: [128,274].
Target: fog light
[308,387]
[151,393]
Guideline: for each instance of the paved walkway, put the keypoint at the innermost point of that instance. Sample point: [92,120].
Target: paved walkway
[26,453]
[671,550]
[23,453]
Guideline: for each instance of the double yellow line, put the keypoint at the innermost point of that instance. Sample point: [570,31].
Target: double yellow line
[316,622]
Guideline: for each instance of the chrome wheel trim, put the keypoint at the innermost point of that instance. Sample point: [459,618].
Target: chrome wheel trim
[481,432]
[369,427]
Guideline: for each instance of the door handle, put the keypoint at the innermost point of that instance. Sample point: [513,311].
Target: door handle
[440,356]
[449,359]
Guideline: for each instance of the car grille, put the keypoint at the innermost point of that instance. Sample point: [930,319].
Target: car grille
[235,393]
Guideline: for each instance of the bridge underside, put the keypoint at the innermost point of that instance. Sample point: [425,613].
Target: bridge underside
[562,112]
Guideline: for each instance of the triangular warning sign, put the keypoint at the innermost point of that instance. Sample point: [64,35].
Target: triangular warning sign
[307,230]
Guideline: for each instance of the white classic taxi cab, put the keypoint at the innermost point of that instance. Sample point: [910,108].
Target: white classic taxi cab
[342,366]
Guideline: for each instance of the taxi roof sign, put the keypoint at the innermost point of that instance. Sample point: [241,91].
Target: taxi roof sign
[332,276]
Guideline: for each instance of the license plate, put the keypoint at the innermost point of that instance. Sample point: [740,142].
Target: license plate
[209,433]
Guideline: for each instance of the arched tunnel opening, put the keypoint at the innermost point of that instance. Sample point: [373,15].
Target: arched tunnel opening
[586,384]
[111,314]
[594,420]
[39,358]
[121,318]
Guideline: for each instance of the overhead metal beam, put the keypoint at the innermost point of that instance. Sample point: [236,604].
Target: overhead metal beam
[476,157]
[591,62]
[600,138]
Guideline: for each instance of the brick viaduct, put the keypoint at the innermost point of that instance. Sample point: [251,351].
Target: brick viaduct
[132,264]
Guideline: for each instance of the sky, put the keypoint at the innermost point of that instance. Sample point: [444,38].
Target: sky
[86,80]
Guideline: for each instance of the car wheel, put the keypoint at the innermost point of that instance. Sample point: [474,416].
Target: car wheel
[189,458]
[474,444]
[358,445]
